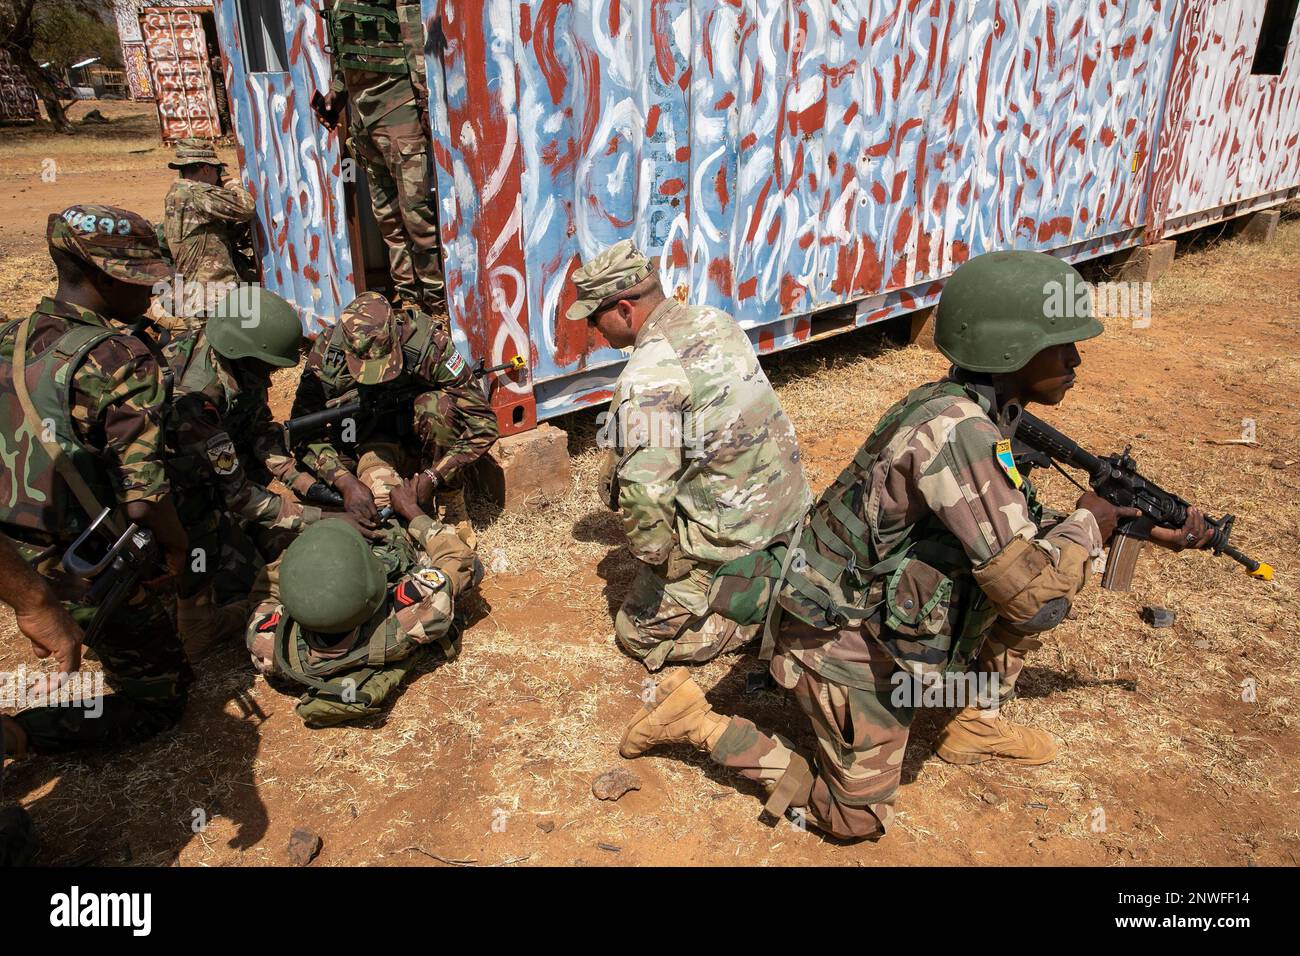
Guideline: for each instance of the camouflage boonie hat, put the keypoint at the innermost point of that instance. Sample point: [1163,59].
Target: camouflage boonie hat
[612,271]
[117,242]
[370,343]
[192,151]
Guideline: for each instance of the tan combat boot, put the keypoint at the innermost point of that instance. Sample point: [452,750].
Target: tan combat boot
[680,715]
[204,625]
[974,736]
[456,513]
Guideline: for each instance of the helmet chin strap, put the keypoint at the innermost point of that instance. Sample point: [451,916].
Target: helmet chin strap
[1005,413]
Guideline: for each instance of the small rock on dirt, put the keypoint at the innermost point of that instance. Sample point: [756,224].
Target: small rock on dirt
[498,563]
[303,846]
[992,799]
[1280,463]
[94,116]
[546,826]
[614,783]
[1158,616]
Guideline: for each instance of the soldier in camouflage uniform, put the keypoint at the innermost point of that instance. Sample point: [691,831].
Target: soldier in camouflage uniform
[202,214]
[378,71]
[224,447]
[449,427]
[343,618]
[922,546]
[701,460]
[84,433]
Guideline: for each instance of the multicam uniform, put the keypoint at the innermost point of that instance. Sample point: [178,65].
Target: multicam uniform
[378,60]
[350,676]
[198,228]
[223,447]
[910,556]
[452,424]
[704,468]
[101,387]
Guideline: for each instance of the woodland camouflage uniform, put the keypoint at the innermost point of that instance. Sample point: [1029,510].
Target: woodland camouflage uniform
[450,425]
[923,559]
[701,462]
[426,568]
[378,60]
[223,449]
[100,384]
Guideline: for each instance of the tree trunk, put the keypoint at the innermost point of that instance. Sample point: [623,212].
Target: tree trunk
[22,58]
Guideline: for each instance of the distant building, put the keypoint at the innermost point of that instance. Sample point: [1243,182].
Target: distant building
[171,55]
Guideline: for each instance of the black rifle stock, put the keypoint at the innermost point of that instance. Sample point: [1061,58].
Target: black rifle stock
[1116,479]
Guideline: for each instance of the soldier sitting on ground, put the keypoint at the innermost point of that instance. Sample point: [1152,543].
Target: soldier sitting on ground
[445,425]
[923,558]
[340,618]
[204,215]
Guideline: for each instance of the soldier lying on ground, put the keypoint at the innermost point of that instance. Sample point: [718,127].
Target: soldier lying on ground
[923,558]
[443,425]
[84,423]
[340,618]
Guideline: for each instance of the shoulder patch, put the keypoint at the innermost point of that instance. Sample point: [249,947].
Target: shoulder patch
[222,455]
[269,622]
[431,576]
[455,364]
[1007,462]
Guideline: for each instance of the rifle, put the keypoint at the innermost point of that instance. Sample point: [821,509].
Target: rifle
[116,573]
[1116,479]
[369,402]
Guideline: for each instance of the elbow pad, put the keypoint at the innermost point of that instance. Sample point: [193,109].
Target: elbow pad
[1030,592]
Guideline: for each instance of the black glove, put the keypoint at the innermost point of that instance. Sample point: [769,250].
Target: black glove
[322,494]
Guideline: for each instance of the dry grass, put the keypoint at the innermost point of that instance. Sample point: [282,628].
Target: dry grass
[1157,734]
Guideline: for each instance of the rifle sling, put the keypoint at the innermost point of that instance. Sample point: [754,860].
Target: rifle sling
[80,489]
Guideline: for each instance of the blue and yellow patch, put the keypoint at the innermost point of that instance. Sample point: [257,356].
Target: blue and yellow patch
[1007,462]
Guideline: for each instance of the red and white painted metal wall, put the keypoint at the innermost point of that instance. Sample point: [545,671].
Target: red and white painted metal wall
[808,165]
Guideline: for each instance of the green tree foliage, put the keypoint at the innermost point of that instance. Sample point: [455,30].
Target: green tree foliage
[67,33]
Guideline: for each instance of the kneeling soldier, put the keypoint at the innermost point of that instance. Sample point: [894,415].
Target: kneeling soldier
[343,617]
[444,425]
[923,558]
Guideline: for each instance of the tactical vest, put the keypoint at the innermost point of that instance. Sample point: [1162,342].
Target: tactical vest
[38,506]
[368,36]
[340,672]
[920,599]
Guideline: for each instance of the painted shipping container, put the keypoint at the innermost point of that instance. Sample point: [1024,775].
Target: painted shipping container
[808,165]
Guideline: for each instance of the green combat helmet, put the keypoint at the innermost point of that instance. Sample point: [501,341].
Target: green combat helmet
[1001,309]
[330,580]
[252,322]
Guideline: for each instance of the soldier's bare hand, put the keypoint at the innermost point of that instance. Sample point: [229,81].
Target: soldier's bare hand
[1108,515]
[405,499]
[53,633]
[359,502]
[367,531]
[1195,533]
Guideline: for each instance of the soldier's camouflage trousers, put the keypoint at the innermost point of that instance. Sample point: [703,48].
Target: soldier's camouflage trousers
[222,554]
[380,465]
[668,622]
[144,666]
[1003,654]
[861,738]
[395,156]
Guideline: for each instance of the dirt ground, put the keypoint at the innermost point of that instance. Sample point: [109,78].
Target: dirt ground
[1168,758]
